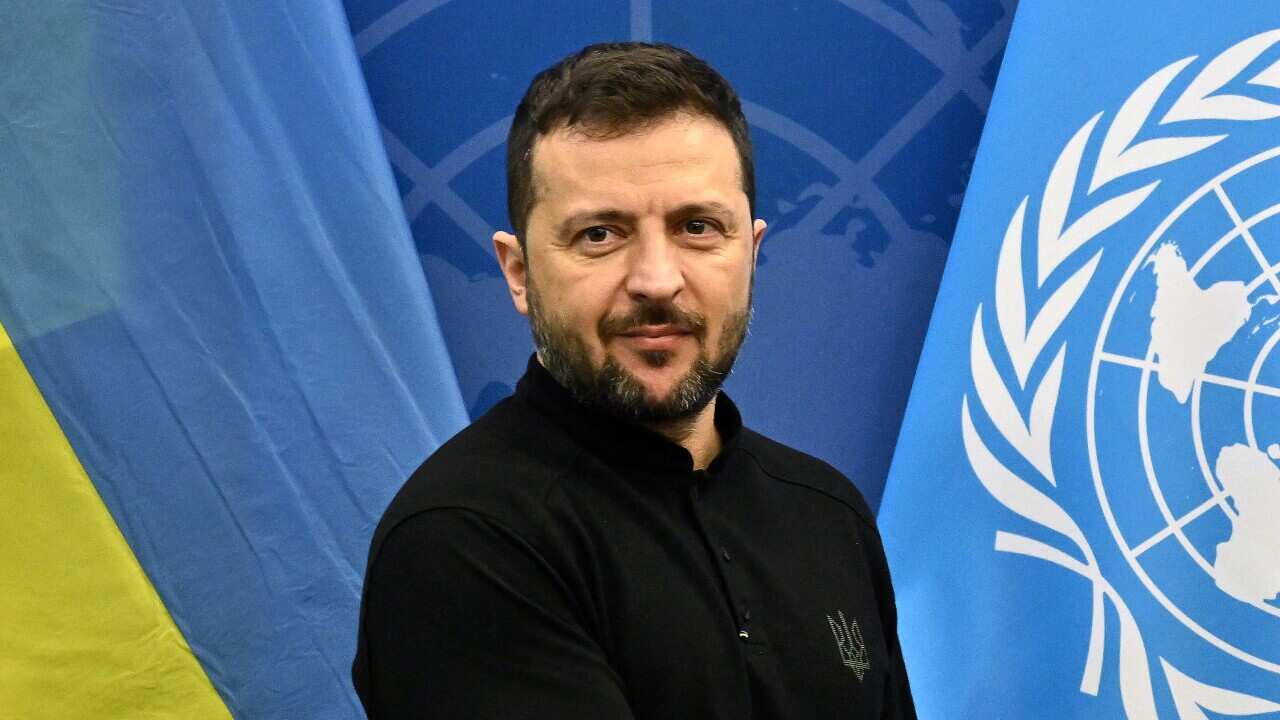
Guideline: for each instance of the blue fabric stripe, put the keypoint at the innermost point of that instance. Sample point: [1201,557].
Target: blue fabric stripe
[206,268]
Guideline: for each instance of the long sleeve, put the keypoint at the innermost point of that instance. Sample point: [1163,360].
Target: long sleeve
[898,702]
[464,619]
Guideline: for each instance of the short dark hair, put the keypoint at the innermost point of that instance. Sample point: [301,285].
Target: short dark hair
[610,89]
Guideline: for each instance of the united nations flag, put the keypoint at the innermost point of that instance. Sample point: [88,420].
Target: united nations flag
[1083,513]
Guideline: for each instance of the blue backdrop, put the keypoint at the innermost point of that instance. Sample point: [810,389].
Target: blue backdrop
[865,116]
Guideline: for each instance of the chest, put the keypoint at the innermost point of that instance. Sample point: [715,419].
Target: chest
[735,598]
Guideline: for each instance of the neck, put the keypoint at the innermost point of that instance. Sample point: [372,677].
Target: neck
[697,434]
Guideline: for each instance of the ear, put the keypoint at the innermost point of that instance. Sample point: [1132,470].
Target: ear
[511,260]
[757,235]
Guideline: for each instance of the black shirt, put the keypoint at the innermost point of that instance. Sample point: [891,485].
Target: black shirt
[552,562]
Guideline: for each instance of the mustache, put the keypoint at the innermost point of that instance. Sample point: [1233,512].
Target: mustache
[664,313]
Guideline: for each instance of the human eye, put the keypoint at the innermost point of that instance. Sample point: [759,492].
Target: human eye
[597,240]
[596,235]
[702,229]
[697,226]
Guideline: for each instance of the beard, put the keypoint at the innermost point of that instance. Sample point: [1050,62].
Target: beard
[615,390]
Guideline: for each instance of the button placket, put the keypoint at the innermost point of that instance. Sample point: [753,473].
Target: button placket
[731,580]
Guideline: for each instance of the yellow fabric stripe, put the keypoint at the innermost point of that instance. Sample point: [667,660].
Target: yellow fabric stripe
[83,633]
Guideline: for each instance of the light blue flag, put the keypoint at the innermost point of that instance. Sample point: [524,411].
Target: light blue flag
[1082,512]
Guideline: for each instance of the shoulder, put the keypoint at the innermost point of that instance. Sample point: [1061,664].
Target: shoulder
[788,465]
[799,470]
[502,466]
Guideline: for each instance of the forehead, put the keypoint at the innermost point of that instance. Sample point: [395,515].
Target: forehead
[663,160]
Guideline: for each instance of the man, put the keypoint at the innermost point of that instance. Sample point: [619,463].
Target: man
[610,542]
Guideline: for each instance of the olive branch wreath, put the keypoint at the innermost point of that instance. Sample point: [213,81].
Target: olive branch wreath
[1026,341]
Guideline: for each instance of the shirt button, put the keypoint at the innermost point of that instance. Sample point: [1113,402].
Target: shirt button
[724,553]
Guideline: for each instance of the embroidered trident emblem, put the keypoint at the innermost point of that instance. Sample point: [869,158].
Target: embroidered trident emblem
[853,650]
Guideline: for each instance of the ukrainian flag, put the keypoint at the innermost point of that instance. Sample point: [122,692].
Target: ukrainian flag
[218,358]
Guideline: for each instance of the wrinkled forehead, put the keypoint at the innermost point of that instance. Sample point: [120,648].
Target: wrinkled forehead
[573,161]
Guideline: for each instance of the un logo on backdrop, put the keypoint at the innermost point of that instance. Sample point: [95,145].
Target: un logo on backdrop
[1182,410]
[865,115]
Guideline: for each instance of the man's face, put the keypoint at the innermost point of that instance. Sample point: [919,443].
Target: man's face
[637,266]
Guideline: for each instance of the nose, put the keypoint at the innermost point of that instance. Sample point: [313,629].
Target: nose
[655,271]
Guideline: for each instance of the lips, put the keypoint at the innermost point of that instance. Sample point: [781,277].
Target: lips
[654,337]
[655,331]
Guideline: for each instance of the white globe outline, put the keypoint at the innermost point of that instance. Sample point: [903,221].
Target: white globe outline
[1249,392]
[1201,457]
[960,75]
[1198,441]
[1140,258]
[1175,524]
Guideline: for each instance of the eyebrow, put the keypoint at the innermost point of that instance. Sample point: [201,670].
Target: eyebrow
[710,207]
[608,215]
[604,215]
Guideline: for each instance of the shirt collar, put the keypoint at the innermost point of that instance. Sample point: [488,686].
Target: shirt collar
[622,443]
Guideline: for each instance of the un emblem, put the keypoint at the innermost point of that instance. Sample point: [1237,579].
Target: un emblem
[1205,395]
[1181,415]
[861,174]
